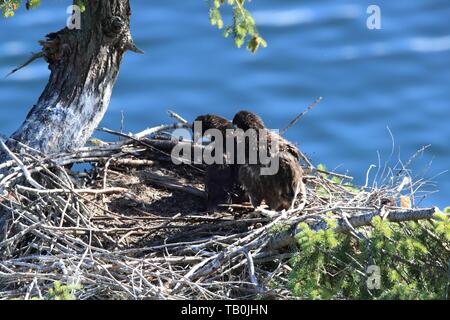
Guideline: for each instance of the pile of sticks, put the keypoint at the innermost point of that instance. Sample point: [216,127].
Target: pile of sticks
[57,224]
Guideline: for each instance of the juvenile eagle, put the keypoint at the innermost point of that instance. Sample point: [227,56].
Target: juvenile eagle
[278,190]
[221,180]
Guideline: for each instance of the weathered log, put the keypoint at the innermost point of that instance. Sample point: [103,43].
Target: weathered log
[84,65]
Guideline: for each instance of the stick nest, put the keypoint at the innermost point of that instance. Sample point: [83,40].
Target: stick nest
[118,220]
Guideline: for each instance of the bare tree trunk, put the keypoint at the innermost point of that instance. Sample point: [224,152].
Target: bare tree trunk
[84,66]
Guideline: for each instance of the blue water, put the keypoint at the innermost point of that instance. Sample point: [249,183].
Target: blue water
[371,80]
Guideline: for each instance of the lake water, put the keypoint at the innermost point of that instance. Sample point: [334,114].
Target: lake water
[371,80]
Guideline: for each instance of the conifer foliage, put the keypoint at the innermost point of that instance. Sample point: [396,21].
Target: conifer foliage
[411,261]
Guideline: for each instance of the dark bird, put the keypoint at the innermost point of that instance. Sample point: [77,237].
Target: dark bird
[221,180]
[280,189]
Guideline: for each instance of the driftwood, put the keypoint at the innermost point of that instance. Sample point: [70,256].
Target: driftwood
[133,225]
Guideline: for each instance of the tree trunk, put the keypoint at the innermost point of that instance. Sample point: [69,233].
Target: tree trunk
[84,65]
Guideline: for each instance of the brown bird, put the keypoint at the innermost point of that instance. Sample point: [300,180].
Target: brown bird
[278,190]
[221,180]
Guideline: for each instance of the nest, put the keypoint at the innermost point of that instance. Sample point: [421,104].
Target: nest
[118,220]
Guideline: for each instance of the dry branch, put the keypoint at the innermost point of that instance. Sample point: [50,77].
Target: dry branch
[286,239]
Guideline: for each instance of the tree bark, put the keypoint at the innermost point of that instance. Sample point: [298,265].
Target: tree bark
[84,65]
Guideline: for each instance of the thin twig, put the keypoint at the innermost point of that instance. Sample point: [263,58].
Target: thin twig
[293,122]
[34,56]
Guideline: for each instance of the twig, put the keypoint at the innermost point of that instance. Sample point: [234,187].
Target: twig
[251,268]
[293,122]
[173,184]
[24,169]
[76,191]
[179,118]
[33,57]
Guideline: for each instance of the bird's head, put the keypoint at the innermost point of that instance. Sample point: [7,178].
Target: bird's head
[246,120]
[210,121]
